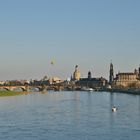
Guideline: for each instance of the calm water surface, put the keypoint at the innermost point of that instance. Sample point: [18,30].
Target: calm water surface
[70,116]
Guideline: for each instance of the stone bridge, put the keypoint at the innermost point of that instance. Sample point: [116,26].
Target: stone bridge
[23,88]
[28,88]
[12,88]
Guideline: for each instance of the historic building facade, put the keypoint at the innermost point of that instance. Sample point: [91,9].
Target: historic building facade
[95,83]
[125,80]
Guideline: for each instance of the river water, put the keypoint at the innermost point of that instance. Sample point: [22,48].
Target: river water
[70,116]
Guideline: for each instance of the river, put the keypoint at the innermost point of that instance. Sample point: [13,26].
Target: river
[70,116]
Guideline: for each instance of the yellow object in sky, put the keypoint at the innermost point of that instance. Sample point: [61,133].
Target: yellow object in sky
[52,62]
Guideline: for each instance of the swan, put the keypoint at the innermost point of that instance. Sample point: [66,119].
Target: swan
[114,109]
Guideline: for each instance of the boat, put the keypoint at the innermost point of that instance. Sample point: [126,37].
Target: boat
[87,89]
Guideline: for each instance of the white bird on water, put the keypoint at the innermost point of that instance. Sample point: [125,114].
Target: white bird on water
[114,109]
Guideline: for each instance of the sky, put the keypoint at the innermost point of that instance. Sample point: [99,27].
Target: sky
[87,33]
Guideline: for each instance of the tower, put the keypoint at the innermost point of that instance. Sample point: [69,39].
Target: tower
[89,75]
[139,72]
[111,76]
[136,73]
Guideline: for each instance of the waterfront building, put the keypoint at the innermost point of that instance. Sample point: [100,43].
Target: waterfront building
[136,72]
[2,83]
[95,83]
[127,80]
[55,80]
[76,74]
[89,75]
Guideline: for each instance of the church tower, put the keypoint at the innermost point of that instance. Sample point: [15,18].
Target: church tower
[89,75]
[139,72]
[136,73]
[111,76]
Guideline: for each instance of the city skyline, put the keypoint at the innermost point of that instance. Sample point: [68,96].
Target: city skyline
[87,33]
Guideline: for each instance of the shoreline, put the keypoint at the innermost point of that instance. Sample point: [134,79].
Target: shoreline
[127,91]
[11,93]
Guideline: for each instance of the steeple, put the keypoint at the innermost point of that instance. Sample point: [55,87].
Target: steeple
[139,72]
[111,76]
[89,75]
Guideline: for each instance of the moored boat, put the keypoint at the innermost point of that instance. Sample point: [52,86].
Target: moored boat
[87,89]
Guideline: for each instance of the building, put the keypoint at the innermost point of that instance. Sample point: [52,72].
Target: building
[95,83]
[125,79]
[139,72]
[55,80]
[2,83]
[76,74]
[89,75]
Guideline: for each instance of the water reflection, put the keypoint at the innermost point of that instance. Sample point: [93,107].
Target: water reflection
[69,115]
[112,114]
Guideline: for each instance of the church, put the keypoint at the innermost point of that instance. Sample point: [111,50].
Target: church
[124,79]
[76,74]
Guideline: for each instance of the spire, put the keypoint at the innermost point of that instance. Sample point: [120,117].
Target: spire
[111,76]
[76,67]
[139,72]
[89,75]
[136,73]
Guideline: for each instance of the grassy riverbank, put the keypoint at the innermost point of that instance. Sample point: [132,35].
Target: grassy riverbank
[10,93]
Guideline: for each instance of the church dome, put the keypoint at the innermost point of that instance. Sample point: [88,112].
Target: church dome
[76,74]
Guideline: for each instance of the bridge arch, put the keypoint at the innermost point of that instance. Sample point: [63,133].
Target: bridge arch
[5,88]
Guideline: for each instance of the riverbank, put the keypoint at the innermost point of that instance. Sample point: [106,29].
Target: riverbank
[11,93]
[128,91]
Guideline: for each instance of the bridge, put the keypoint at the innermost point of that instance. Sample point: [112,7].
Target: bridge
[28,88]
[23,88]
[12,88]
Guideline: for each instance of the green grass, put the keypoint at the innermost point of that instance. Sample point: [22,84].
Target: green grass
[10,93]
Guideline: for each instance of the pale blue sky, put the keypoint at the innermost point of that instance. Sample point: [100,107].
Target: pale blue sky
[88,33]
